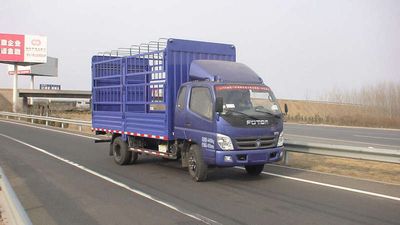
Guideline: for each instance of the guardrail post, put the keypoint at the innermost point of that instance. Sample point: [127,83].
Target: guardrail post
[80,128]
[47,122]
[286,158]
[62,125]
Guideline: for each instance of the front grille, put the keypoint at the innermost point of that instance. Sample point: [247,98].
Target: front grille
[250,143]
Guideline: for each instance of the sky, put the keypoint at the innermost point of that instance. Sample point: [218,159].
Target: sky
[301,48]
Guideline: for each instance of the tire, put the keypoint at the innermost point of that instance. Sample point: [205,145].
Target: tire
[197,167]
[121,153]
[254,170]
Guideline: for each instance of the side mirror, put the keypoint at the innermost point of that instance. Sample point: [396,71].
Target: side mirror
[219,104]
[286,109]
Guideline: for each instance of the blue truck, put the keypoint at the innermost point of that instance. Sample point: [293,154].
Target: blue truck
[185,100]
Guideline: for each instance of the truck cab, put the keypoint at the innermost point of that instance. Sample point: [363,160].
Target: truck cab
[231,117]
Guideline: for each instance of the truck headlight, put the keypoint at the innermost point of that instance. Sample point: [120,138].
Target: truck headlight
[224,142]
[280,140]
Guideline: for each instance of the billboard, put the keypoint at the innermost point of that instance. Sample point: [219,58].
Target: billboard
[23,49]
[50,68]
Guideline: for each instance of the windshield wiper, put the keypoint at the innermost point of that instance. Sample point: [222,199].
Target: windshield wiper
[242,113]
[269,113]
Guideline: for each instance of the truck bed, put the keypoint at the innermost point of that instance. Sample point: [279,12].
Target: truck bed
[134,91]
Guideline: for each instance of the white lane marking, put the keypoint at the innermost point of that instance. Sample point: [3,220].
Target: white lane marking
[376,137]
[340,140]
[331,174]
[44,128]
[331,186]
[192,215]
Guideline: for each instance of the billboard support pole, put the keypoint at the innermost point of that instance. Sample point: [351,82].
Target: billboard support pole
[32,82]
[15,88]
[32,87]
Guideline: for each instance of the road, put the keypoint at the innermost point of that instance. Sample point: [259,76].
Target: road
[351,136]
[62,178]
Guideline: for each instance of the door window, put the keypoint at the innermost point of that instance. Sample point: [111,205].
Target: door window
[181,98]
[200,102]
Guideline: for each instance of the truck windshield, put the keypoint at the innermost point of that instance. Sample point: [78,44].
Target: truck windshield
[248,100]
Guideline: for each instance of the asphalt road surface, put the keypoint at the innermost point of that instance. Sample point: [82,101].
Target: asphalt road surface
[62,178]
[350,136]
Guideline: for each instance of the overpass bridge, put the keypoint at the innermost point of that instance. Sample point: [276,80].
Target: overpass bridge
[25,93]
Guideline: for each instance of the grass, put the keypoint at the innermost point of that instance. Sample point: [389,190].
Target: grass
[338,114]
[77,115]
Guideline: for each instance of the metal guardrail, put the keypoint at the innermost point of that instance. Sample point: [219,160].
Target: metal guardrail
[47,119]
[374,154]
[365,153]
[13,209]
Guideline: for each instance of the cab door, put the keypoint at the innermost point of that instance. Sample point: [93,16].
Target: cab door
[180,113]
[199,122]
[200,110]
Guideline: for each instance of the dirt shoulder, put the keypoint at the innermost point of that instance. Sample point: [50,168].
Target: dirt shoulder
[377,171]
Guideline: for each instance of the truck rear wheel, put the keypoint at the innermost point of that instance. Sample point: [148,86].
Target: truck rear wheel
[121,153]
[197,166]
[254,170]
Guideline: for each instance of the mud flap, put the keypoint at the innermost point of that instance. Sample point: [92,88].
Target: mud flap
[111,149]
[184,154]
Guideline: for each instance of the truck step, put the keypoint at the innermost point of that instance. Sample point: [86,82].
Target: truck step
[102,140]
[154,153]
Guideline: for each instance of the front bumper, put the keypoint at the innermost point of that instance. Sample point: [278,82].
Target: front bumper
[249,157]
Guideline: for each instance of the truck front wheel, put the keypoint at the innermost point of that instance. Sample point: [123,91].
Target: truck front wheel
[197,166]
[254,170]
[121,153]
